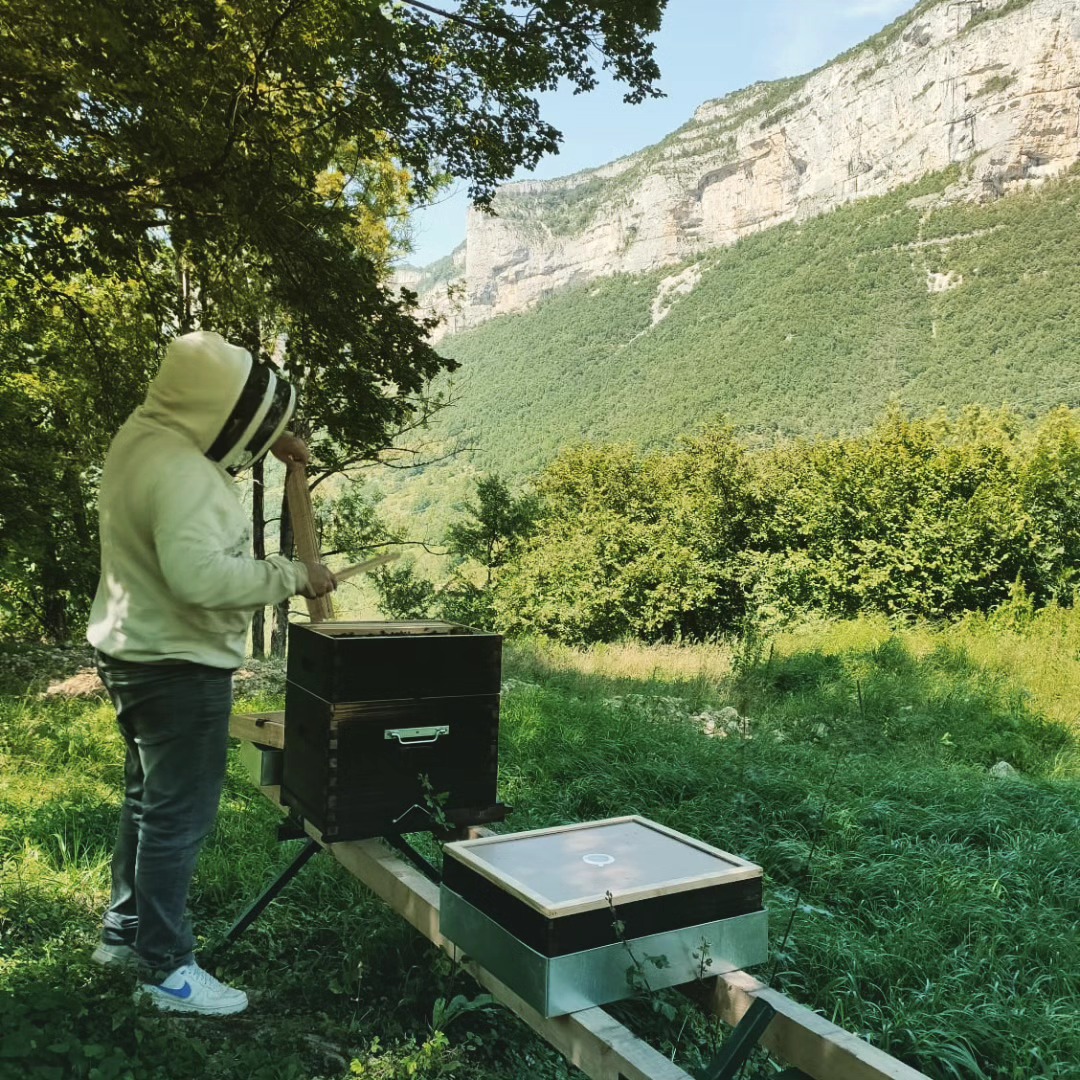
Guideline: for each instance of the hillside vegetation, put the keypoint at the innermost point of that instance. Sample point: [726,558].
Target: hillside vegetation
[915,518]
[809,328]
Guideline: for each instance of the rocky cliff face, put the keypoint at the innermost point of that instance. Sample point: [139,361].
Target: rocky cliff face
[990,85]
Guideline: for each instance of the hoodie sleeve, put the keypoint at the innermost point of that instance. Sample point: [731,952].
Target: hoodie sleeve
[195,520]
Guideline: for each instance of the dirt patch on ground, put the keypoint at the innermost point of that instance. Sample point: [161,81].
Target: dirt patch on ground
[83,684]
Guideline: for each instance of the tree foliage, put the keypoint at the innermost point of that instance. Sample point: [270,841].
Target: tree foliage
[494,526]
[925,518]
[634,544]
[240,167]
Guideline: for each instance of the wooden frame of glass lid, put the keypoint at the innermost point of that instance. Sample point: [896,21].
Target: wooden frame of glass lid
[711,866]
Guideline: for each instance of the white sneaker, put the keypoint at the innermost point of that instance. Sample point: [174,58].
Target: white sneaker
[121,956]
[189,989]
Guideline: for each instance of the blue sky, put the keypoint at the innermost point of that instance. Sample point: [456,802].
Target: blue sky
[705,48]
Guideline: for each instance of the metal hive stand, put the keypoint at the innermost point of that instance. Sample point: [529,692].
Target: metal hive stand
[293,830]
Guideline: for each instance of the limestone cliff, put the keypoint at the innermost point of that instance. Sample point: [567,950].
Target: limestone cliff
[990,85]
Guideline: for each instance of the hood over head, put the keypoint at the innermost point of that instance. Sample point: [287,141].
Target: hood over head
[231,407]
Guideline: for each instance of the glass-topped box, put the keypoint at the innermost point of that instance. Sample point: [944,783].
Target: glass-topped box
[585,914]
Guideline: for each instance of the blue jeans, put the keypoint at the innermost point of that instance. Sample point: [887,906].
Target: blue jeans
[174,717]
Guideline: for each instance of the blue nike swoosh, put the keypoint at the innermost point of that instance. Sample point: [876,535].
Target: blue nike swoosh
[182,992]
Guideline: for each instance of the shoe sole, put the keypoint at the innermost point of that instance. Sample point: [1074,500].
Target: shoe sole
[174,1005]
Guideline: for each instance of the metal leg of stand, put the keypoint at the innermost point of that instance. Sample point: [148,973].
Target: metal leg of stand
[268,894]
[399,843]
[741,1042]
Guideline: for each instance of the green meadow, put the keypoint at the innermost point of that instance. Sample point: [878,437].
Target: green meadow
[915,897]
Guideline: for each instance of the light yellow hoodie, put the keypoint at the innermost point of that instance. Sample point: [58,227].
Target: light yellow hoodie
[177,581]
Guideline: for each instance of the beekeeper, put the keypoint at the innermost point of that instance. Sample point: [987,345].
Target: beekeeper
[169,623]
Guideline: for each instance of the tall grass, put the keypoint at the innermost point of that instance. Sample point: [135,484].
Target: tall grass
[915,898]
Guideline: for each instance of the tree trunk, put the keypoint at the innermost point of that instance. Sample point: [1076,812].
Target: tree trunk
[65,577]
[54,606]
[258,549]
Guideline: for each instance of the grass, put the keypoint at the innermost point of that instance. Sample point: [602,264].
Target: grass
[915,898]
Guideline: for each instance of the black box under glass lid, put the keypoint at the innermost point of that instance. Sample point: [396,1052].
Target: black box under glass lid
[562,915]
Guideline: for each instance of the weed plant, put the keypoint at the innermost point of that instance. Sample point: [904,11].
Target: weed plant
[916,898]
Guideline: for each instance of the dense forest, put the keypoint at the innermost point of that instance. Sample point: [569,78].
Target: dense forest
[915,518]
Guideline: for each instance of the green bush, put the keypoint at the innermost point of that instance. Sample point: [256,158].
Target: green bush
[634,544]
[916,518]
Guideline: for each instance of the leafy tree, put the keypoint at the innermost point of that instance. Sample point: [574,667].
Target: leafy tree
[1049,488]
[634,544]
[917,518]
[63,391]
[246,155]
[486,538]
[404,594]
[492,531]
[494,527]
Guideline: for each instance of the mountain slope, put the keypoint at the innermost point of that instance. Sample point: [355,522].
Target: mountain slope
[805,328]
[989,84]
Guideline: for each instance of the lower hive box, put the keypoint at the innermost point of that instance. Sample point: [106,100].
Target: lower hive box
[581,915]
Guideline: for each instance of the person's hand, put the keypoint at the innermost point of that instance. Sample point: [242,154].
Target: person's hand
[320,582]
[291,449]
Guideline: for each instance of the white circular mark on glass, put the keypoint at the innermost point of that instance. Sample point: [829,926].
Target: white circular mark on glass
[598,859]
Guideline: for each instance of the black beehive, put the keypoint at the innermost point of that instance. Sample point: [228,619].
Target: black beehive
[391,726]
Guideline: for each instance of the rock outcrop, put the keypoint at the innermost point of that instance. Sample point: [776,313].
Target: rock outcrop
[992,86]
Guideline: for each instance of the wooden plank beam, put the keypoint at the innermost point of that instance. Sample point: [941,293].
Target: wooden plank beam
[298,494]
[797,1035]
[267,728]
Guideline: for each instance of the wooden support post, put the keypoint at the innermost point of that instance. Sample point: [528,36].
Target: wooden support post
[307,542]
[797,1035]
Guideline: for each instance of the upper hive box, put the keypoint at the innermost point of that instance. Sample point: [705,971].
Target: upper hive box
[581,915]
[391,726]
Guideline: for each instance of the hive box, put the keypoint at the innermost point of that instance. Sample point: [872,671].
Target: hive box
[582,915]
[391,726]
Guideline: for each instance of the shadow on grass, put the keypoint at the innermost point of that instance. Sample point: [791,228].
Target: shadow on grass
[942,708]
[66,832]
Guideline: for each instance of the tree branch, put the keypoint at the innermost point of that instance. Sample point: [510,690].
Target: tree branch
[453,16]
